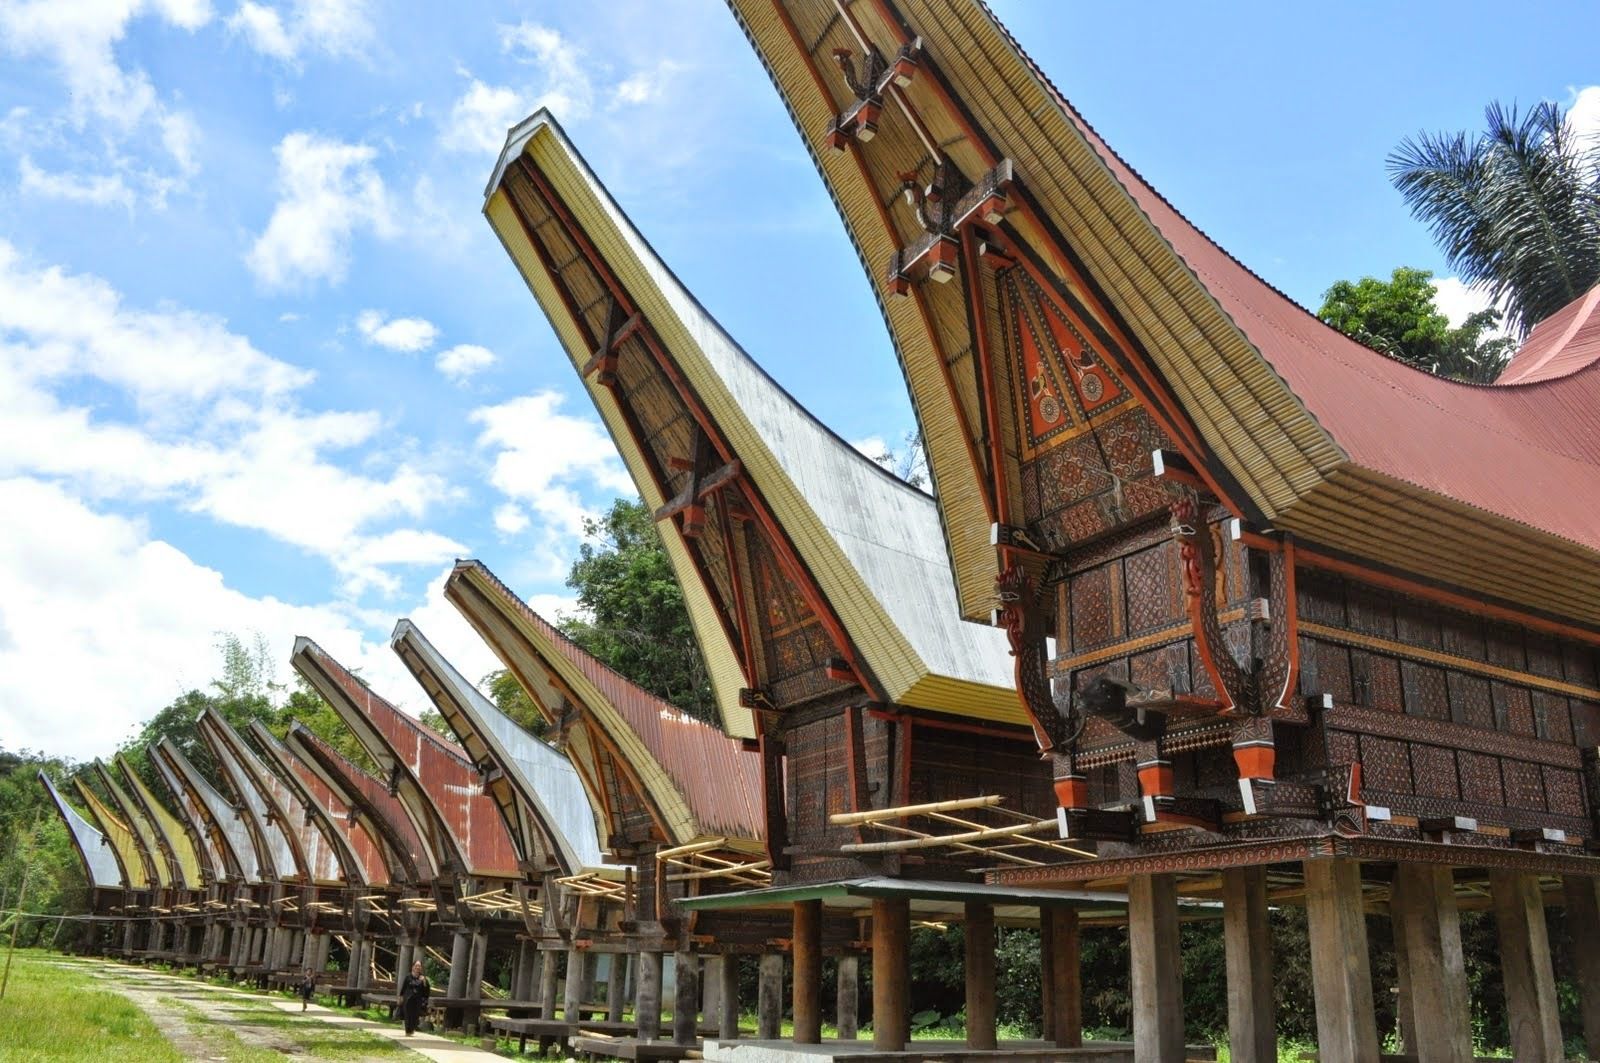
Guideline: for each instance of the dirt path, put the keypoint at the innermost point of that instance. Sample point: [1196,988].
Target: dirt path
[216,1023]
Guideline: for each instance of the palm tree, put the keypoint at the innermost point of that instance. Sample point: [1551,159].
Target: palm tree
[1516,210]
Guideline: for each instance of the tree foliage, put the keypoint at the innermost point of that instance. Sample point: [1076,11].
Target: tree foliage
[635,619]
[1398,316]
[1515,209]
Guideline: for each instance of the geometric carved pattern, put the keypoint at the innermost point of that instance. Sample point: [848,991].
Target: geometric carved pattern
[1469,701]
[1433,770]
[1563,791]
[1480,778]
[1385,765]
[1524,787]
[1426,691]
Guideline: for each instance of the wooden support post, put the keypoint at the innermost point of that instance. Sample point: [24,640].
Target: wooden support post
[324,947]
[847,998]
[728,1028]
[572,1001]
[1405,1014]
[1066,992]
[1047,984]
[1583,927]
[480,959]
[891,974]
[1436,972]
[686,1006]
[549,981]
[1347,1029]
[404,953]
[1247,941]
[460,964]
[1530,980]
[1157,969]
[615,984]
[808,972]
[978,931]
[769,997]
[521,979]
[711,990]
[647,996]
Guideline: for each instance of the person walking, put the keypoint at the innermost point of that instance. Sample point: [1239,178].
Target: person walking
[414,993]
[307,986]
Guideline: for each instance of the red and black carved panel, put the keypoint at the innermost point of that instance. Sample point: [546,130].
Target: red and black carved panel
[1480,778]
[1319,598]
[1551,717]
[1433,771]
[1092,622]
[1385,764]
[1524,786]
[1513,708]
[1505,646]
[1563,791]
[1426,692]
[1155,588]
[1371,611]
[1417,625]
[1470,702]
[1544,655]
[1325,669]
[1376,679]
[1462,635]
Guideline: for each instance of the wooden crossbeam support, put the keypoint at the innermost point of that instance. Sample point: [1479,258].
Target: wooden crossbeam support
[602,364]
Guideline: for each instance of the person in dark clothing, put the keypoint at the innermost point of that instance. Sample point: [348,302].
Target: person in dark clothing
[414,992]
[307,986]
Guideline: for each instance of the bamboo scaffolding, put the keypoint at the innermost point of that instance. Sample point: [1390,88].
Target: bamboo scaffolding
[992,841]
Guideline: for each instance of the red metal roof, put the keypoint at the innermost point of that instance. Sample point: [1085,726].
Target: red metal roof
[1560,345]
[1529,454]
[719,779]
[448,780]
[365,789]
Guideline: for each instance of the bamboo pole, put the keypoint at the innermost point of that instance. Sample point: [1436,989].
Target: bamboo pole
[935,840]
[22,897]
[872,815]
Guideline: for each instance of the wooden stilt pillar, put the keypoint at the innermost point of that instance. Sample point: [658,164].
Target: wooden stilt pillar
[711,990]
[550,981]
[1047,982]
[1405,1014]
[769,997]
[1066,994]
[1347,1029]
[1435,968]
[647,996]
[686,1006]
[1530,980]
[480,959]
[1156,969]
[978,931]
[572,1001]
[847,998]
[615,983]
[522,980]
[404,953]
[1252,1034]
[808,972]
[460,964]
[891,974]
[1583,927]
[728,1028]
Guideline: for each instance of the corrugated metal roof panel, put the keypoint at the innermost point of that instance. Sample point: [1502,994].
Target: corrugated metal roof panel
[121,841]
[447,781]
[230,827]
[99,865]
[1561,344]
[545,781]
[713,774]
[381,811]
[359,856]
[175,837]
[158,869]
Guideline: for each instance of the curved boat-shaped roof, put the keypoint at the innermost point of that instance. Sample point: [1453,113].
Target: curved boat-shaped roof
[699,782]
[186,866]
[100,865]
[379,811]
[842,544]
[439,787]
[124,844]
[1305,429]
[224,825]
[1566,342]
[359,856]
[277,852]
[158,870]
[536,788]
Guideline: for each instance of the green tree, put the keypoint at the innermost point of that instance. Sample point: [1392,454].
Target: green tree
[635,618]
[512,700]
[1398,316]
[1515,209]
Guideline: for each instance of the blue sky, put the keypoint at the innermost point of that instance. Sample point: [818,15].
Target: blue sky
[264,368]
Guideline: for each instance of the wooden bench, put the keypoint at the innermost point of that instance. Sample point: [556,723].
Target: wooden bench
[546,1032]
[597,1046]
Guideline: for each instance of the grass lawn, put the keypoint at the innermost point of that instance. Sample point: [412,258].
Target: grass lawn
[54,1010]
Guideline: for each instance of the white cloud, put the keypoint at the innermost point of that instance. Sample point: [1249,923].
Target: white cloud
[1457,301]
[1583,113]
[215,427]
[509,519]
[544,460]
[79,38]
[479,119]
[135,622]
[285,33]
[98,190]
[646,86]
[327,192]
[464,361]
[398,333]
